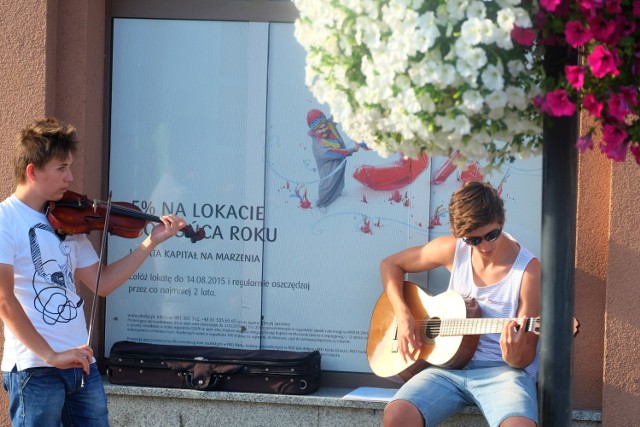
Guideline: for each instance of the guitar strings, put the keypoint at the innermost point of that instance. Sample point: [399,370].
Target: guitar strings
[435,326]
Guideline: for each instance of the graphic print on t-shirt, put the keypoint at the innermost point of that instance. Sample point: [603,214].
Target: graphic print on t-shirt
[53,280]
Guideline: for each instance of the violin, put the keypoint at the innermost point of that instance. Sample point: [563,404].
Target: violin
[77,214]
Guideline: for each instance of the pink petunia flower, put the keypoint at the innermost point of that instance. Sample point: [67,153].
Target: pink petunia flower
[630,95]
[575,75]
[549,5]
[601,29]
[585,142]
[592,105]
[623,28]
[614,146]
[635,150]
[613,6]
[539,102]
[590,7]
[635,62]
[617,107]
[523,36]
[576,34]
[617,153]
[558,104]
[603,62]
[636,8]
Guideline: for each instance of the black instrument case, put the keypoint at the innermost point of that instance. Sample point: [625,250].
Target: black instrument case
[214,368]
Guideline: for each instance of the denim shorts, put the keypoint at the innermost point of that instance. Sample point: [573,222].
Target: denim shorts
[499,391]
[50,396]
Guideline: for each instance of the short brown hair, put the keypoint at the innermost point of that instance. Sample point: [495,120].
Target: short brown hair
[41,141]
[474,205]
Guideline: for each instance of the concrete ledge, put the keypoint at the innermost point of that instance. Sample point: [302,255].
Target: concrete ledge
[132,406]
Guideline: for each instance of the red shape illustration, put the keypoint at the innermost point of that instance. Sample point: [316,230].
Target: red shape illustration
[366,228]
[445,170]
[305,203]
[472,173]
[434,221]
[395,197]
[400,173]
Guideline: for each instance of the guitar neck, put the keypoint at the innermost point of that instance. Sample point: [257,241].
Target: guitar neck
[477,326]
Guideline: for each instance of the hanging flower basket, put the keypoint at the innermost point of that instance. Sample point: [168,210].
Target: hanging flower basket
[606,34]
[435,76]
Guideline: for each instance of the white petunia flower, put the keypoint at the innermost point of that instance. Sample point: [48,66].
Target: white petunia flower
[471,31]
[523,20]
[503,39]
[461,125]
[516,97]
[515,67]
[505,19]
[455,9]
[467,72]
[427,103]
[472,101]
[492,77]
[428,31]
[477,9]
[475,56]
[496,100]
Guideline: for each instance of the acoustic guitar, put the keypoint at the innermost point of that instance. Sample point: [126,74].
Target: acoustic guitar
[450,328]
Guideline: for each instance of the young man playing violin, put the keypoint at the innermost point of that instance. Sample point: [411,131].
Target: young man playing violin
[45,352]
[488,265]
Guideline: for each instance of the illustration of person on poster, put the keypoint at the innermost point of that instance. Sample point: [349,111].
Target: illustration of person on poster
[330,153]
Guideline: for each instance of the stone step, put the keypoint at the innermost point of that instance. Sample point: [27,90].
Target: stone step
[132,406]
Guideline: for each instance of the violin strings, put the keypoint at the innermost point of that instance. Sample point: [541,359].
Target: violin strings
[117,208]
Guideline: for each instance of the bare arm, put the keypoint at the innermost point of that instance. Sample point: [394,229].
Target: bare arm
[439,252]
[16,320]
[115,274]
[518,346]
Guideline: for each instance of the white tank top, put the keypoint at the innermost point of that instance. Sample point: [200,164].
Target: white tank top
[499,300]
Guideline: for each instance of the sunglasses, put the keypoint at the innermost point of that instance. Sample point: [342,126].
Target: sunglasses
[489,237]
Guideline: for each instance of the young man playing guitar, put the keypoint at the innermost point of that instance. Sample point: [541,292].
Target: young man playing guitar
[488,265]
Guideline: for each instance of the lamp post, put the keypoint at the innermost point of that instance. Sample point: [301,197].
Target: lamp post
[559,187]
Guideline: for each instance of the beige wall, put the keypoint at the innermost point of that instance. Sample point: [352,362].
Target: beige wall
[621,388]
[592,236]
[52,63]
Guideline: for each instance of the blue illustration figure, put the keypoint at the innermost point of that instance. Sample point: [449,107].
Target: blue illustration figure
[331,155]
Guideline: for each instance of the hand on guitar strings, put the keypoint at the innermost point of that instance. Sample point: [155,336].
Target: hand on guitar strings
[409,341]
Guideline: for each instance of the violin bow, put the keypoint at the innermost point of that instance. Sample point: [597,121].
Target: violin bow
[103,245]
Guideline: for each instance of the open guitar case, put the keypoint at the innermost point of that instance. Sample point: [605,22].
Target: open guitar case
[214,368]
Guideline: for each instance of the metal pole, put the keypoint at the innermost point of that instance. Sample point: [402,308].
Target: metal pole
[559,186]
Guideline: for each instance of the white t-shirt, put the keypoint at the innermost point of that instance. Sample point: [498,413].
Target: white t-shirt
[44,283]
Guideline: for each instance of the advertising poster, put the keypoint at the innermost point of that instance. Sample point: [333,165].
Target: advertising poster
[212,121]
[185,139]
[341,211]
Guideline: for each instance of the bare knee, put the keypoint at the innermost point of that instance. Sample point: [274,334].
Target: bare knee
[401,413]
[517,422]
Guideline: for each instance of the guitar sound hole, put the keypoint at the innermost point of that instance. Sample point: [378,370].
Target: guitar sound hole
[432,329]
